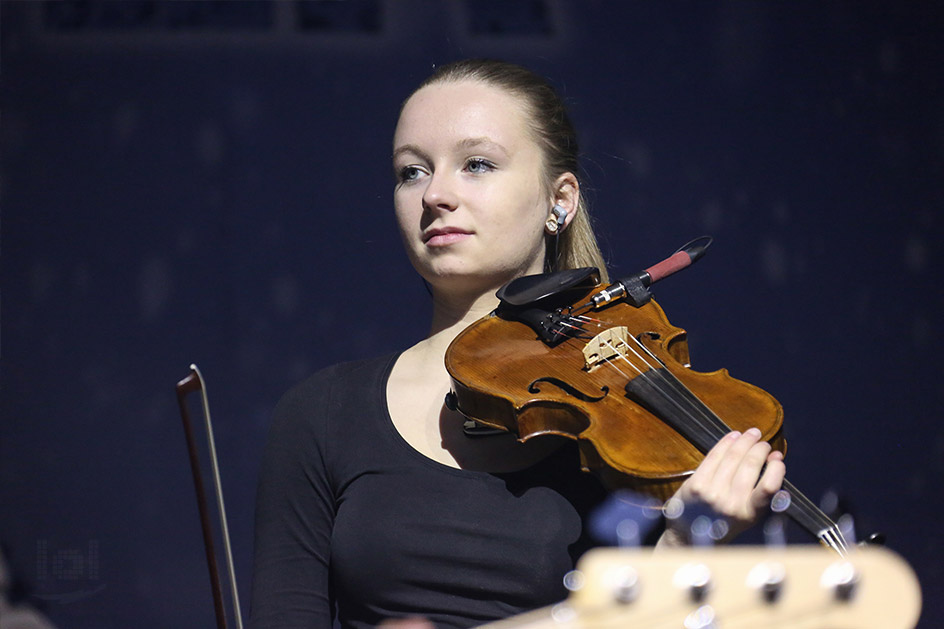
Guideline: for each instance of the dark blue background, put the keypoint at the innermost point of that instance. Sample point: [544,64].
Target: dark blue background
[191,182]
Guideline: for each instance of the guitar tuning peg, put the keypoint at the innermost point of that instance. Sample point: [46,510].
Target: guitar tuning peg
[829,503]
[627,534]
[696,579]
[768,579]
[701,524]
[574,580]
[875,539]
[846,524]
[834,504]
[781,501]
[775,533]
[843,579]
[701,618]
[707,530]
[841,510]
[624,584]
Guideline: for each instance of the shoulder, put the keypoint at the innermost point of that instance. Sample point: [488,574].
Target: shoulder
[316,412]
[323,388]
[306,406]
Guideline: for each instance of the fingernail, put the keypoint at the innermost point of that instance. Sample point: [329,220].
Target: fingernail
[734,434]
[755,432]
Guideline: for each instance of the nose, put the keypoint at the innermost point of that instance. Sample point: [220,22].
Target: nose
[440,193]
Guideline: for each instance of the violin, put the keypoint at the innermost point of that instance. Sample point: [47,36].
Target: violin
[562,355]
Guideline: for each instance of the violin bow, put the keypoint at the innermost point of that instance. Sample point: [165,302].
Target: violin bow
[193,383]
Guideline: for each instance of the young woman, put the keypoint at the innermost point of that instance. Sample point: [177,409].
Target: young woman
[373,504]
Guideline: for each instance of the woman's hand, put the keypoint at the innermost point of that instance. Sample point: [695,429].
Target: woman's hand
[727,481]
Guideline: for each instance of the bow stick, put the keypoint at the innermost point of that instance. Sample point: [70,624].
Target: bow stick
[194,382]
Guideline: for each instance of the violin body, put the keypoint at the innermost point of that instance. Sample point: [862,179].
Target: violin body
[506,377]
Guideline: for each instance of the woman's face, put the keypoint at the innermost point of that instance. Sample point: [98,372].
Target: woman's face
[470,198]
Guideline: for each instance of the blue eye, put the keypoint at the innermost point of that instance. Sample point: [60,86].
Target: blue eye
[409,173]
[478,165]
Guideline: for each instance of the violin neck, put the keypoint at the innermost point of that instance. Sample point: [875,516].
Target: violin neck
[802,511]
[669,399]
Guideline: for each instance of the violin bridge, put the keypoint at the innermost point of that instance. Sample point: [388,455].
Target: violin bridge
[605,346]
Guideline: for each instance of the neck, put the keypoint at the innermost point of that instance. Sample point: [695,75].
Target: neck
[450,316]
[453,314]
[458,303]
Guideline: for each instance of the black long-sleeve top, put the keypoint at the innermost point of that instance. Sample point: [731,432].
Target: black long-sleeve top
[350,517]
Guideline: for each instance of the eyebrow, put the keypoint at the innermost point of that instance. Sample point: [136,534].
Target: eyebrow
[409,148]
[465,144]
[470,143]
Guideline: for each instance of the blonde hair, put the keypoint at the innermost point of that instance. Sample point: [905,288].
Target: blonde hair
[577,245]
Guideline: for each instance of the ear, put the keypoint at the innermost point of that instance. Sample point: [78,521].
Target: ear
[567,195]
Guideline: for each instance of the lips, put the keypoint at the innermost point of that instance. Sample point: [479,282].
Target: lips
[444,236]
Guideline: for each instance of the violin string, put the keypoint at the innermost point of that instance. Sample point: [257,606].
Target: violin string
[813,517]
[702,418]
[804,510]
[613,365]
[824,525]
[708,423]
[688,405]
[829,531]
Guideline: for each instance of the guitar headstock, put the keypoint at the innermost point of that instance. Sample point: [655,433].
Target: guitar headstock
[794,587]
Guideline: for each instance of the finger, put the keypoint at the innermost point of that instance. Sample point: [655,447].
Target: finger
[716,456]
[770,481]
[742,497]
[748,471]
[741,465]
[700,480]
